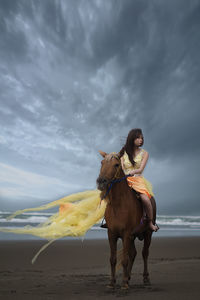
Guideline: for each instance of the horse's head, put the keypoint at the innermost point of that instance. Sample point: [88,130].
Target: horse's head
[110,167]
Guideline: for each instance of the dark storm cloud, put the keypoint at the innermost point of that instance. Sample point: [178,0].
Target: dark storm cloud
[159,49]
[76,76]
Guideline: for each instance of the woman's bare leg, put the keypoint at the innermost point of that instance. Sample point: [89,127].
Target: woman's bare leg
[148,207]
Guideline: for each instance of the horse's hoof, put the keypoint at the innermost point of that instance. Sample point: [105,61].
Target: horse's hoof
[111,285]
[140,236]
[146,281]
[125,286]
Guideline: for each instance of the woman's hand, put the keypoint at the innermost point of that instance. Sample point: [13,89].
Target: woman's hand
[132,173]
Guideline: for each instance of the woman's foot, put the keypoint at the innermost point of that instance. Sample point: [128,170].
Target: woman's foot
[154,228]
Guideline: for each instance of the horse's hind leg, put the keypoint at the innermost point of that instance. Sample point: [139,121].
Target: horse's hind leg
[113,256]
[145,254]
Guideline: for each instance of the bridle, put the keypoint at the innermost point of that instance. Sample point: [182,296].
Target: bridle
[116,177]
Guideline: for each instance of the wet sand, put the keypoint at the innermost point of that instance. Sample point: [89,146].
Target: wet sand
[72,269]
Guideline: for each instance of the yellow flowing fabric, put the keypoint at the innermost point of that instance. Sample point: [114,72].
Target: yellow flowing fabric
[77,214]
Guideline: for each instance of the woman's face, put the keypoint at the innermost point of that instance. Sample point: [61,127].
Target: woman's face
[139,141]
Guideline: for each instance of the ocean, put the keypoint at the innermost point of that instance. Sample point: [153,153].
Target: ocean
[170,225]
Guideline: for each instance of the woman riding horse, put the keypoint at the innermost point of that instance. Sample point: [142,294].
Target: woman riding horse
[133,161]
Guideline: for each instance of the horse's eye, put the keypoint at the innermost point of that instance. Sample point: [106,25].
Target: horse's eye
[116,165]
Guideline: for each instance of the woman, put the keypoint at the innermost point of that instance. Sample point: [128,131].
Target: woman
[133,161]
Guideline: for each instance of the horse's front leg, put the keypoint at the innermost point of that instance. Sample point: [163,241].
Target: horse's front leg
[126,260]
[132,255]
[113,257]
[145,254]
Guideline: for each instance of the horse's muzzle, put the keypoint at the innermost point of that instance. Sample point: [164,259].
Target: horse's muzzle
[102,183]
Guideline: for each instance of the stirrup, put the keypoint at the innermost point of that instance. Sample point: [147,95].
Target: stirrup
[103,225]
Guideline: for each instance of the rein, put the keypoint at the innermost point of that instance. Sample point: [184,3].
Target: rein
[114,181]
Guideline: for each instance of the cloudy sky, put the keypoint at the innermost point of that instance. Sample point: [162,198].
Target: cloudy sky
[76,76]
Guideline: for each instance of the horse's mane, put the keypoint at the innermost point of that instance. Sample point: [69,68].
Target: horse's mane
[112,155]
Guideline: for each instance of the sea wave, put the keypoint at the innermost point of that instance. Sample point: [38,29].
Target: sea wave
[39,217]
[27,213]
[178,220]
[24,220]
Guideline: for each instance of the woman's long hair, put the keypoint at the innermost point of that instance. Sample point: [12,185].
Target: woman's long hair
[129,146]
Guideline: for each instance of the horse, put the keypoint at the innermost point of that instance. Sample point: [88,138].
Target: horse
[124,217]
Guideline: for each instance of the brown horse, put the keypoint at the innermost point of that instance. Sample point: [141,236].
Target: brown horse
[123,215]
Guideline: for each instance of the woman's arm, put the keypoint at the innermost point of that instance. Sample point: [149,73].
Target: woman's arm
[143,164]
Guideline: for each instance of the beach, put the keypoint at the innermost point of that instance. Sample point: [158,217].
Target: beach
[76,269]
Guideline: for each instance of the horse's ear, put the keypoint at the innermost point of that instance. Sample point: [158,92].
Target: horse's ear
[102,153]
[119,155]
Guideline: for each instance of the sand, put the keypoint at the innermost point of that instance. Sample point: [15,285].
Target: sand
[72,269]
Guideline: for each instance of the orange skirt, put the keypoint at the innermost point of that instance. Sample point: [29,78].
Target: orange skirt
[141,185]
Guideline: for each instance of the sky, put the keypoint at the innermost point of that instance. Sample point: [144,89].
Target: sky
[77,76]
